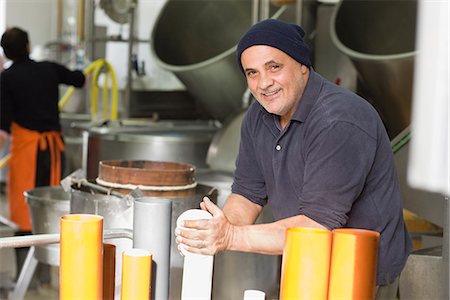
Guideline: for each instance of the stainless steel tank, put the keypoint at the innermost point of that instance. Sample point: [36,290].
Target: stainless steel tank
[174,141]
[196,40]
[47,205]
[379,38]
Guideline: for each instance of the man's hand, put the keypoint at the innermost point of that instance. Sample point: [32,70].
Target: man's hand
[206,236]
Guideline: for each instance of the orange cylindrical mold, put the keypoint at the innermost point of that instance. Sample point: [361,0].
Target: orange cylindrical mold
[306,264]
[109,271]
[136,274]
[353,264]
[81,257]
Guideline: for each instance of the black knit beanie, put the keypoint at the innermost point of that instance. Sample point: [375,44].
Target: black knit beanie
[284,36]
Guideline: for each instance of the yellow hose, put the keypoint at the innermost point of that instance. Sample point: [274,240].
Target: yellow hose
[95,68]
[5,160]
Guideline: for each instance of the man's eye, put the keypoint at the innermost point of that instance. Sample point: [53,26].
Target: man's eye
[250,73]
[275,67]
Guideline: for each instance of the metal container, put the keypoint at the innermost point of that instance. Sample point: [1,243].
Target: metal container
[183,142]
[379,39]
[196,40]
[47,205]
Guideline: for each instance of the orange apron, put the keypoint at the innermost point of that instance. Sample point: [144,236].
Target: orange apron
[22,168]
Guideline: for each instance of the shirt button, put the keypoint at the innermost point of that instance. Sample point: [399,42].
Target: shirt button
[278,147]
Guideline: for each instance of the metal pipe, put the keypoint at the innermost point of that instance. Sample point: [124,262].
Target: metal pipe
[299,12]
[53,238]
[255,11]
[80,21]
[128,87]
[155,214]
[265,10]
[59,19]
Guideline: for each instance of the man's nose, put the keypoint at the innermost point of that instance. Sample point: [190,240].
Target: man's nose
[265,81]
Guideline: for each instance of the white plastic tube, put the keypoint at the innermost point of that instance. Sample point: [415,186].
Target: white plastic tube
[254,295]
[197,268]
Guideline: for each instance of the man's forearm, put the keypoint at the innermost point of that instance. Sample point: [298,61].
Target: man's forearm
[267,238]
[241,211]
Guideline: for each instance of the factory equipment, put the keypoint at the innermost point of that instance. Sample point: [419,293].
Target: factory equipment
[176,141]
[47,204]
[117,10]
[201,50]
[382,51]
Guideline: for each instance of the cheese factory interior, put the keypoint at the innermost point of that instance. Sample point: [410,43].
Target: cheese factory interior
[163,85]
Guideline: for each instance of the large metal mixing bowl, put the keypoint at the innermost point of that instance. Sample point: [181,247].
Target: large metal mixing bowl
[182,142]
[196,40]
[379,38]
[47,205]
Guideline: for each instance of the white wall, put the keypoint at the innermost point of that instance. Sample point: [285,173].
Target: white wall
[38,17]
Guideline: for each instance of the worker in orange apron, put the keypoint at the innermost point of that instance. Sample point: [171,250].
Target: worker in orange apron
[29,94]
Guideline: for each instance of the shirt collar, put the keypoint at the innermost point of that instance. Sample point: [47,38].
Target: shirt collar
[309,96]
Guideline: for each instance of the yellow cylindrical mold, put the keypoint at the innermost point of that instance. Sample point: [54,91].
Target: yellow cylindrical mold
[81,257]
[109,271]
[306,264]
[136,274]
[353,264]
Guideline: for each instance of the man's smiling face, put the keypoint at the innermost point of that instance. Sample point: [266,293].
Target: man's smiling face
[275,79]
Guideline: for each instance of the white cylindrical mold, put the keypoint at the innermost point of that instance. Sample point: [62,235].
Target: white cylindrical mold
[152,231]
[197,268]
[254,295]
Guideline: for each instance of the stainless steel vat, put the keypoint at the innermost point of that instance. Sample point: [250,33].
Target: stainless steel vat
[47,204]
[379,38]
[196,40]
[174,141]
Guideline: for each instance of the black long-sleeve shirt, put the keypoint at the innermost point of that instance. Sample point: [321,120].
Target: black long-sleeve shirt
[29,94]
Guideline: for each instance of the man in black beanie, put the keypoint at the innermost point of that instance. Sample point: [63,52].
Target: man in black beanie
[316,153]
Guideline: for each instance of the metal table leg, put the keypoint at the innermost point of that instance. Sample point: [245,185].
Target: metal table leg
[27,272]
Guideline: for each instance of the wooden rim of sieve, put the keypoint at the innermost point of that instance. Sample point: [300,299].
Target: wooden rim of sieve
[146,172]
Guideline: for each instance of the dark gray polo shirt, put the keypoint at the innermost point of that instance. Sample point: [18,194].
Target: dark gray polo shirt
[332,163]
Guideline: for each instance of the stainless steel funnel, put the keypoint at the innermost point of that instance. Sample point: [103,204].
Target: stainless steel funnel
[196,40]
[379,38]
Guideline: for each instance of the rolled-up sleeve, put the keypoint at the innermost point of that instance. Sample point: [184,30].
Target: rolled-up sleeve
[248,179]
